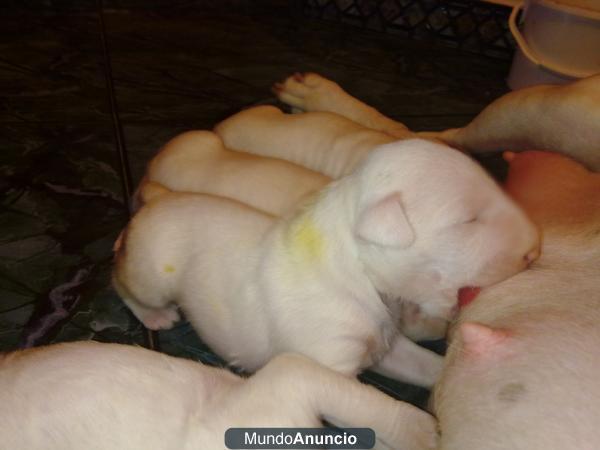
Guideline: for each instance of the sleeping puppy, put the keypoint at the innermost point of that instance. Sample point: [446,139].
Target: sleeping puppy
[324,281]
[88,395]
[525,352]
[564,119]
[197,161]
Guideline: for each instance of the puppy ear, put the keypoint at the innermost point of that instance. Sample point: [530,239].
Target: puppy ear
[385,223]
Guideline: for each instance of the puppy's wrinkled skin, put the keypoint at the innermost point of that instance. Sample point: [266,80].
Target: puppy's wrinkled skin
[95,396]
[522,368]
[314,281]
[322,141]
[197,161]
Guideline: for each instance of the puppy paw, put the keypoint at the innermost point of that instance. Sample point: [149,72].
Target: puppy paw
[307,92]
[160,319]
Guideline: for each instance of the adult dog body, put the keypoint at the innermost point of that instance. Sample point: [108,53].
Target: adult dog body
[325,281]
[522,368]
[95,396]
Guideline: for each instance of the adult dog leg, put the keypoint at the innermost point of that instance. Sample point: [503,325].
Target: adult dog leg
[312,92]
[564,119]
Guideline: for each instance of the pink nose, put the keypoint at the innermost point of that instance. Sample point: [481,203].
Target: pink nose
[532,255]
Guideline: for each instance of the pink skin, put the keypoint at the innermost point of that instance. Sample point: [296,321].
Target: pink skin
[520,372]
[544,184]
[555,191]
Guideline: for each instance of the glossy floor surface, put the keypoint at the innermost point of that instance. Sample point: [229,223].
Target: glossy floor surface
[178,68]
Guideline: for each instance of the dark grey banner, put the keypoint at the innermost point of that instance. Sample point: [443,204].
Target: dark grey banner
[299,438]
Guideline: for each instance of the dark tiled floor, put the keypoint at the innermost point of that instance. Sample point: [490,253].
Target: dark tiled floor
[174,69]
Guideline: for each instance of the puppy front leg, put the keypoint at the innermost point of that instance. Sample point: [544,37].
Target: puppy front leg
[321,141]
[345,402]
[409,362]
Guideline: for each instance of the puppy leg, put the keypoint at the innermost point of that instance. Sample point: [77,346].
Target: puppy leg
[345,402]
[320,141]
[418,326]
[407,361]
[312,92]
[152,318]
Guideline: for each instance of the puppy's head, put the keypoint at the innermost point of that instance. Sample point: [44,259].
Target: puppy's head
[429,221]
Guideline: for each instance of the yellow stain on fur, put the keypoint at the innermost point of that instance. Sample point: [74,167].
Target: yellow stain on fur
[307,242]
[169,268]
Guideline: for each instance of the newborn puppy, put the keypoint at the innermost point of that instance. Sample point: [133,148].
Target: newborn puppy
[197,161]
[325,280]
[87,395]
[522,368]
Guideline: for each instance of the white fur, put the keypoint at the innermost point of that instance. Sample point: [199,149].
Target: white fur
[324,281]
[197,161]
[95,396]
[563,119]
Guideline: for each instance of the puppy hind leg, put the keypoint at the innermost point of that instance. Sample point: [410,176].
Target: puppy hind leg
[152,318]
[312,92]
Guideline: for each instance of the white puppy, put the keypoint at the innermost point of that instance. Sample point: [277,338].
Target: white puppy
[197,161]
[95,396]
[324,281]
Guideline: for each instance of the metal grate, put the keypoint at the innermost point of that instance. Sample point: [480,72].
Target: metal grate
[470,25]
